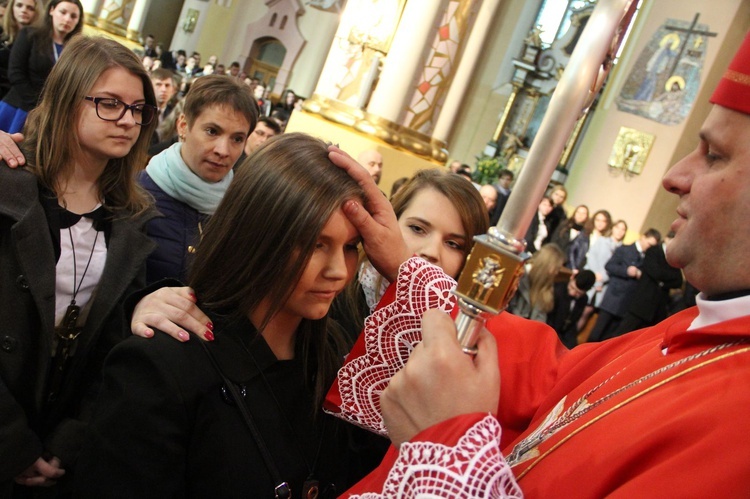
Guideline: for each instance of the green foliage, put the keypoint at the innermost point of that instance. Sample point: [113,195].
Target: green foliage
[488,168]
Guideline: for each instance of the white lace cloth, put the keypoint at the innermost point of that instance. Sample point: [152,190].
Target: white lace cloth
[473,468]
[390,335]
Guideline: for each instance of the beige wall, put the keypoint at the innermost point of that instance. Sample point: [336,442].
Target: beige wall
[396,163]
[225,32]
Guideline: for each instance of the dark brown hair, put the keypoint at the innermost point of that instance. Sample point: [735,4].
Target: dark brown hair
[43,34]
[258,243]
[219,90]
[588,227]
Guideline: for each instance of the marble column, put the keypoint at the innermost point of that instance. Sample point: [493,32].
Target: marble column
[437,70]
[91,10]
[364,36]
[137,19]
[415,31]
[456,95]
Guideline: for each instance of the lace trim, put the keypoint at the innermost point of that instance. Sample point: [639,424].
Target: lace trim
[473,468]
[390,335]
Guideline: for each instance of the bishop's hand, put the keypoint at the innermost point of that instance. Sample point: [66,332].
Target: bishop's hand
[439,381]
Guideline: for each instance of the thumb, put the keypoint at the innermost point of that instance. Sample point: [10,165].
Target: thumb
[486,358]
[359,217]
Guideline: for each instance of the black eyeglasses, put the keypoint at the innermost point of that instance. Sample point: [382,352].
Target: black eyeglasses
[110,109]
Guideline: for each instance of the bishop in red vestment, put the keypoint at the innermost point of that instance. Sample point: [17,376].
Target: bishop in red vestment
[660,412]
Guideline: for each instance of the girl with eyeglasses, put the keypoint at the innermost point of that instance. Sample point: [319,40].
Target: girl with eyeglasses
[35,51]
[72,246]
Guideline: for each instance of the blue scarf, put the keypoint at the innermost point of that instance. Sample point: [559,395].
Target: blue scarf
[169,171]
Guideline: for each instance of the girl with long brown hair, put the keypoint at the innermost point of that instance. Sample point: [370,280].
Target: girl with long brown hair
[242,413]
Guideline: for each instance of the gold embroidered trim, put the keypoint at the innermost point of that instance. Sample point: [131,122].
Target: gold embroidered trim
[737,77]
[625,402]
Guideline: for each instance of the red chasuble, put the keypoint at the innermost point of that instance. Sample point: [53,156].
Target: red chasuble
[661,412]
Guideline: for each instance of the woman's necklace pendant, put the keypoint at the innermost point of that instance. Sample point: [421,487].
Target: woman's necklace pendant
[68,330]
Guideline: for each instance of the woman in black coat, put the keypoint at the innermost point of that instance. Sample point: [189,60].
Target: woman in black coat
[34,53]
[171,418]
[72,246]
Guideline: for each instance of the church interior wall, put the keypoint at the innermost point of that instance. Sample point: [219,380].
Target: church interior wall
[225,34]
[162,20]
[661,211]
[318,28]
[638,198]
[488,93]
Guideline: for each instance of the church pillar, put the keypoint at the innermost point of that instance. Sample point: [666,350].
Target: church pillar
[415,31]
[115,15]
[363,37]
[91,10]
[137,19]
[438,69]
[457,93]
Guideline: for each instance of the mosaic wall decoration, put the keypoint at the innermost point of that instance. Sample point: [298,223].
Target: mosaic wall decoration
[665,79]
[434,81]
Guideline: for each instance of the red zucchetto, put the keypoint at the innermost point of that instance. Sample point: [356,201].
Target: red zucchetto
[733,91]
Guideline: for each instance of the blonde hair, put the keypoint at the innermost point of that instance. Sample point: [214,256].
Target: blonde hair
[544,267]
[11,26]
[51,142]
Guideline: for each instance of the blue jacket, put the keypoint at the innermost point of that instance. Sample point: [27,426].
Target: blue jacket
[176,234]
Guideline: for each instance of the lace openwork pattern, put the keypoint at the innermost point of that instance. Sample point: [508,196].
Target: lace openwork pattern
[391,334]
[473,468]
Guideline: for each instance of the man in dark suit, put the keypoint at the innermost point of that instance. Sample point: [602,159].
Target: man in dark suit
[570,300]
[502,186]
[650,297]
[624,269]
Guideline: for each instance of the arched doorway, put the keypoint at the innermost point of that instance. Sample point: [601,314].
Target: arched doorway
[266,57]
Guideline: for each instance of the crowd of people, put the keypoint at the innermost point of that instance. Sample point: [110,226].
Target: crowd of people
[185,69]
[578,279]
[176,317]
